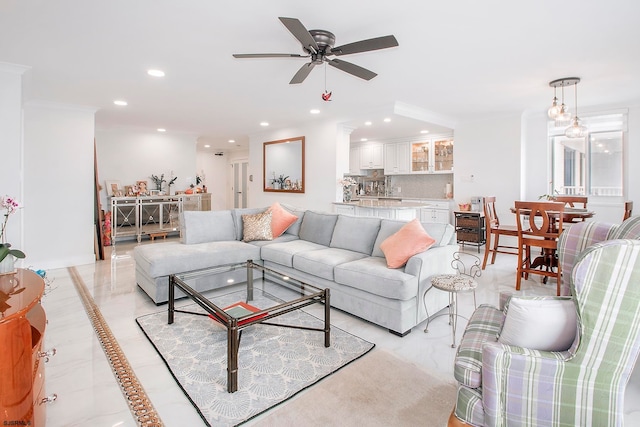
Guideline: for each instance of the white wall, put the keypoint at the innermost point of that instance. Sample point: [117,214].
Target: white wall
[215,177]
[487,162]
[130,156]
[58,186]
[11,144]
[321,167]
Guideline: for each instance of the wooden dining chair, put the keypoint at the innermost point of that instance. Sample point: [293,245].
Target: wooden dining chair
[539,226]
[628,208]
[573,202]
[494,230]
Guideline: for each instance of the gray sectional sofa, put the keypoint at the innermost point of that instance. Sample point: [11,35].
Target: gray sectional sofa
[335,251]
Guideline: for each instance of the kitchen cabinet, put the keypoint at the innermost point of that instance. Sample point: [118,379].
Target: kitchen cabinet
[397,158]
[373,209]
[439,212]
[345,209]
[433,156]
[372,156]
[354,160]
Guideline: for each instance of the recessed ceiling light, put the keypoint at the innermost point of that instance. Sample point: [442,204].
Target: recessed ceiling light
[367,123]
[264,123]
[315,111]
[120,102]
[363,139]
[161,130]
[231,141]
[424,131]
[207,146]
[387,120]
[156,73]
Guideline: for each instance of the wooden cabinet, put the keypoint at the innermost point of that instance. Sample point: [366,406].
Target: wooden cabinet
[397,158]
[372,156]
[434,156]
[22,328]
[470,228]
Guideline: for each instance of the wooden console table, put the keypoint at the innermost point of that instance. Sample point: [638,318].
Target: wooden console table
[22,327]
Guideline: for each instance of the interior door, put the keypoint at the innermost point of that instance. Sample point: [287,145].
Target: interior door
[239,188]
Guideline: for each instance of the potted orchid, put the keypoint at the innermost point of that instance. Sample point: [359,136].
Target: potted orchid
[8,255]
[347,188]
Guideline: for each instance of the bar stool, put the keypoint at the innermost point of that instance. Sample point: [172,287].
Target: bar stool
[463,281]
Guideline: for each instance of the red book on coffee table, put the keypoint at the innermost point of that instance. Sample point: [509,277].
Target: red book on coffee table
[241,309]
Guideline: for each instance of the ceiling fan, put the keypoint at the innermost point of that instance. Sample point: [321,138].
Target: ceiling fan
[318,45]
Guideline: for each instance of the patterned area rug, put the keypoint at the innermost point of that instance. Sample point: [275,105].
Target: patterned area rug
[274,362]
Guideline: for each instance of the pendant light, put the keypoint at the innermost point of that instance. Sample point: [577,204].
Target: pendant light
[554,110]
[563,117]
[576,130]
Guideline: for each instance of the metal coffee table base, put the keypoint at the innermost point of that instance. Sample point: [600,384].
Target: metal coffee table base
[235,325]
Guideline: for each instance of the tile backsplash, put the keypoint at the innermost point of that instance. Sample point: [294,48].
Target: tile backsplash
[428,186]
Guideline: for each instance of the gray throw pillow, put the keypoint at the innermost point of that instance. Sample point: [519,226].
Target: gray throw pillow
[317,227]
[355,233]
[206,226]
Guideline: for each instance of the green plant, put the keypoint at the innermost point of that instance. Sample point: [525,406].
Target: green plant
[158,181]
[10,205]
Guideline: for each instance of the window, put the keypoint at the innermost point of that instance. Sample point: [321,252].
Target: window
[590,166]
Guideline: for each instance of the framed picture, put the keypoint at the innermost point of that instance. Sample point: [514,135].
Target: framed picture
[112,186]
[142,188]
[129,191]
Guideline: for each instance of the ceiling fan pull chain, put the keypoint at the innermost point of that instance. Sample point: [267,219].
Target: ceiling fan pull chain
[326,96]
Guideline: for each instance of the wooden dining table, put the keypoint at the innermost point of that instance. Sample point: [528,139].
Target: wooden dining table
[569,215]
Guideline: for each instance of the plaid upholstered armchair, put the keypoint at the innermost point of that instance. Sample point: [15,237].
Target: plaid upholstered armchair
[578,237]
[580,382]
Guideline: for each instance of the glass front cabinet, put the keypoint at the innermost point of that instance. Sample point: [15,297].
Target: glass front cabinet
[435,156]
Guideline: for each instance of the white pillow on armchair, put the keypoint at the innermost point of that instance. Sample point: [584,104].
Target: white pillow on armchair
[540,323]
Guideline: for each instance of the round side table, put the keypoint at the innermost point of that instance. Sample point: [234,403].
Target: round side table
[452,283]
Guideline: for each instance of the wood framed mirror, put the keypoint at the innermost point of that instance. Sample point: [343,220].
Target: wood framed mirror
[283,166]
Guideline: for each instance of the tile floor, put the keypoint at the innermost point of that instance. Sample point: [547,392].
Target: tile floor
[88,393]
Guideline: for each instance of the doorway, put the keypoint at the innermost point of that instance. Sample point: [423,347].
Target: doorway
[239,186]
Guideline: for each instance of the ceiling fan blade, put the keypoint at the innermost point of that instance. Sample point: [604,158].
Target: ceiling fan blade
[353,69]
[299,31]
[383,42]
[302,73]
[269,55]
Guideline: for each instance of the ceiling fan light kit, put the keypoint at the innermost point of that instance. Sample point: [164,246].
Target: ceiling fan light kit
[319,46]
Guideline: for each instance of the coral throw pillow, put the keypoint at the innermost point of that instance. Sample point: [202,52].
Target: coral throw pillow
[411,239]
[281,219]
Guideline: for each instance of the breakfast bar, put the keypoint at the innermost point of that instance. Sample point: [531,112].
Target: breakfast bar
[381,208]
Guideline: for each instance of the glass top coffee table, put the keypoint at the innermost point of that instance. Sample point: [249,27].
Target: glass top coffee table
[254,305]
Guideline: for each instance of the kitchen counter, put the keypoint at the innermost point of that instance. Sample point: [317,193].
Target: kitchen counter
[427,210]
[384,204]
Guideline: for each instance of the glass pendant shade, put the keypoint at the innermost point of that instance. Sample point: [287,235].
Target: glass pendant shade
[576,130]
[554,110]
[564,117]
